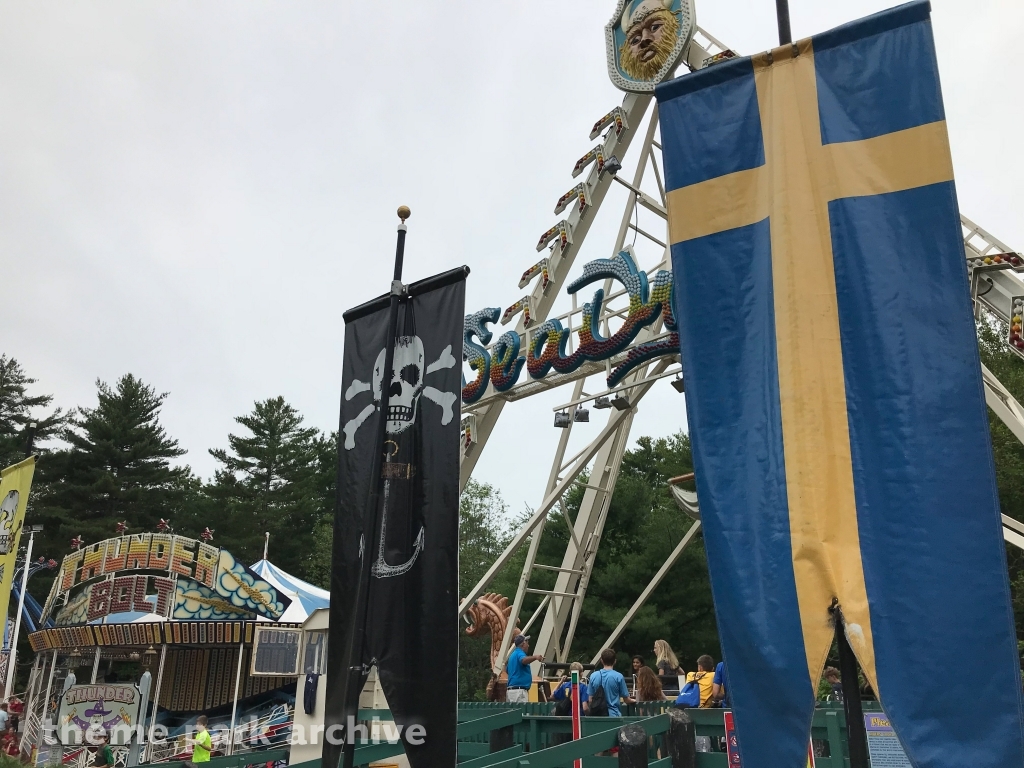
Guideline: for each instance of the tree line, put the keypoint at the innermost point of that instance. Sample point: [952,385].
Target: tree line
[113,462]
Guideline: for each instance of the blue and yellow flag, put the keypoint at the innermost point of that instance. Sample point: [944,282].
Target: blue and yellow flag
[15,483]
[834,392]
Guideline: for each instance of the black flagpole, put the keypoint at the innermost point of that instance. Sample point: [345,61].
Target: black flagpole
[856,734]
[355,655]
[782,11]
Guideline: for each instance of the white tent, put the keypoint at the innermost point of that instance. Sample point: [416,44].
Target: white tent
[304,596]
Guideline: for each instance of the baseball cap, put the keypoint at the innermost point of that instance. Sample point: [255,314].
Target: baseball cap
[520,639]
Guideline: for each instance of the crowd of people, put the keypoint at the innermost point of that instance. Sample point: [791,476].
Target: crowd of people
[606,690]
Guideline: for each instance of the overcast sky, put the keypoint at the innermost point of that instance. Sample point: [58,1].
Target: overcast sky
[194,192]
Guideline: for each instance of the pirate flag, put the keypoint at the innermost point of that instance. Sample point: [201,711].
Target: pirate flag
[411,615]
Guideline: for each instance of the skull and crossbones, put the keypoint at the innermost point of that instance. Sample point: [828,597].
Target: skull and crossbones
[403,391]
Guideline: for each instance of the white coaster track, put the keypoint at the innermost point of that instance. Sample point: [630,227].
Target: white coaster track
[996,287]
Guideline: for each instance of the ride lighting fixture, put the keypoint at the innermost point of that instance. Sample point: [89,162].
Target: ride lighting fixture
[612,165]
[602,402]
[582,415]
[621,402]
[562,419]
[677,383]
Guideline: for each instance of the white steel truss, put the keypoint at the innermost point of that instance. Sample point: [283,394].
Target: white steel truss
[995,286]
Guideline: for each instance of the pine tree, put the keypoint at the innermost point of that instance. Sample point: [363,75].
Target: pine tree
[18,410]
[117,468]
[269,482]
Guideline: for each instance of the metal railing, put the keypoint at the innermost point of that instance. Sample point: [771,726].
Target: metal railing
[273,730]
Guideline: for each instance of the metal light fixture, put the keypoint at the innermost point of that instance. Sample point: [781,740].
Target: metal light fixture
[677,384]
[581,415]
[612,165]
[620,402]
[602,402]
[562,419]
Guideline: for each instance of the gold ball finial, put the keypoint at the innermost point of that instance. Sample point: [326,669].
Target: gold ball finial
[404,212]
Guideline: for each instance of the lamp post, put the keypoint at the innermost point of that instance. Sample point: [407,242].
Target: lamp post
[12,659]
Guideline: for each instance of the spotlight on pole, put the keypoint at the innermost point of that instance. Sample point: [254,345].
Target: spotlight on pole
[582,415]
[602,402]
[620,402]
[677,384]
[562,419]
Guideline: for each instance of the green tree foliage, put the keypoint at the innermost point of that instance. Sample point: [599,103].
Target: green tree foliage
[1007,449]
[18,409]
[117,468]
[318,563]
[483,534]
[643,526]
[269,482]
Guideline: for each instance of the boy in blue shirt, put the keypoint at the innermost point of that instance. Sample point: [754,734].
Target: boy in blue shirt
[613,683]
[564,690]
[520,677]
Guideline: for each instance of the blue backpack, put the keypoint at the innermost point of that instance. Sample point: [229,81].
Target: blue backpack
[689,696]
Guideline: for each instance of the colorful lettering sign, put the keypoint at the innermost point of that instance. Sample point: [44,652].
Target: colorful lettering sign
[86,711]
[211,583]
[502,365]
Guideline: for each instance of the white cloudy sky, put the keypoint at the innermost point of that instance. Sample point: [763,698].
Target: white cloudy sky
[195,191]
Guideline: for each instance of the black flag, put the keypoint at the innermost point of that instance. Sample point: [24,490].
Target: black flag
[411,614]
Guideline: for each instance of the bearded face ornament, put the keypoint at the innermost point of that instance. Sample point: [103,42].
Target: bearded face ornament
[645,40]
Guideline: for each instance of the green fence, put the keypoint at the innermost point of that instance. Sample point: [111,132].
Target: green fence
[540,739]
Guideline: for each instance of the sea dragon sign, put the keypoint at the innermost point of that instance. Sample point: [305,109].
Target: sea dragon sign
[501,365]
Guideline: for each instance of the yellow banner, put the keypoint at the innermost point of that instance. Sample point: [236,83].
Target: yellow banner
[14,488]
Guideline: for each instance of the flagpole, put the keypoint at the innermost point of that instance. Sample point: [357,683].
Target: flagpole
[855,731]
[782,12]
[12,658]
[356,672]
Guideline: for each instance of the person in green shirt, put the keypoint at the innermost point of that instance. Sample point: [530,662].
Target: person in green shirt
[104,755]
[201,743]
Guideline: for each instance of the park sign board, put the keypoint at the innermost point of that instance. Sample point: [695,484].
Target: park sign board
[159,573]
[87,711]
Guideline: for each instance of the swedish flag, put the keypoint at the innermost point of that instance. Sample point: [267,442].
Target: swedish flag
[834,392]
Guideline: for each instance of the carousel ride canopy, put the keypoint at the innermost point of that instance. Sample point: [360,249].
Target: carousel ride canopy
[157,576]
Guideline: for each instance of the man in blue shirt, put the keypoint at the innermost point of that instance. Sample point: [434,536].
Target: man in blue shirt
[520,678]
[613,683]
[720,688]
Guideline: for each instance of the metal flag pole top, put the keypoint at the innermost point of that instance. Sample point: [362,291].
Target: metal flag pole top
[355,654]
[782,11]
